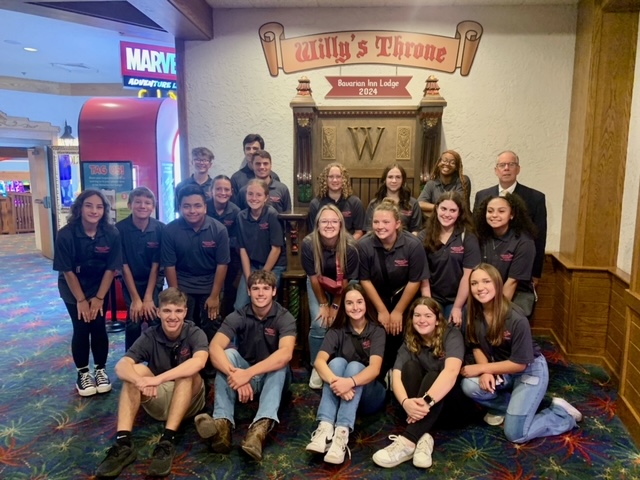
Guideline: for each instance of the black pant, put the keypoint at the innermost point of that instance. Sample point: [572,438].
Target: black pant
[133,330]
[450,412]
[234,271]
[197,312]
[88,336]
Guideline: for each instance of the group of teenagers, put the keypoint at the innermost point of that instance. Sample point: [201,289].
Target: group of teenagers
[438,315]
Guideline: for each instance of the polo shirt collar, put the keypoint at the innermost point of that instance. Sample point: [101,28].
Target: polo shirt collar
[162,337]
[184,225]
[367,329]
[399,241]
[81,233]
[272,313]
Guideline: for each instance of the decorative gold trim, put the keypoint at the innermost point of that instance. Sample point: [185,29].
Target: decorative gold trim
[329,143]
[403,143]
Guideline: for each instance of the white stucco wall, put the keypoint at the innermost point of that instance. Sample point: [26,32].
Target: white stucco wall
[626,246]
[517,95]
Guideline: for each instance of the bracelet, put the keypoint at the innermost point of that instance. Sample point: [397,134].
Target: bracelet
[101,299]
[402,403]
[354,382]
[84,299]
[323,305]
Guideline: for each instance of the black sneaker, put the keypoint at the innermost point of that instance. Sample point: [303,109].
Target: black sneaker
[86,385]
[162,459]
[118,456]
[103,385]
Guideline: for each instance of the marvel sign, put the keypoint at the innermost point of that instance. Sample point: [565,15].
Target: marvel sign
[148,66]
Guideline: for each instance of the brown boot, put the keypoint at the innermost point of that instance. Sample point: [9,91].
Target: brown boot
[256,436]
[218,430]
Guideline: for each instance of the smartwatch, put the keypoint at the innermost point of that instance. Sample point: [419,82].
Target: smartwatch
[335,306]
[429,399]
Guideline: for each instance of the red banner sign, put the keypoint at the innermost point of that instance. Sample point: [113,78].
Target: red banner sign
[368,87]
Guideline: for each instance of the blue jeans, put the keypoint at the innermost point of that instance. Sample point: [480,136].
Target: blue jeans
[341,413]
[268,387]
[242,295]
[316,329]
[518,399]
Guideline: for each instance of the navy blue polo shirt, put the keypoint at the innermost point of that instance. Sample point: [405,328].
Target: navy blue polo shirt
[406,262]
[279,197]
[411,218]
[195,255]
[513,256]
[517,344]
[351,208]
[206,187]
[453,348]
[88,258]
[257,236]
[257,339]
[229,218]
[434,189]
[329,261]
[448,262]
[338,342]
[162,354]
[140,249]
[240,178]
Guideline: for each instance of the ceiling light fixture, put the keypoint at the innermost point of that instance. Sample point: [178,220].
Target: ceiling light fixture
[30,49]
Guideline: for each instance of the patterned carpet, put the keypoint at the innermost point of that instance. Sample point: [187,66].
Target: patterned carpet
[48,432]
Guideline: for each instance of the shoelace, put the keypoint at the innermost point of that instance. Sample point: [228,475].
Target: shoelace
[101,376]
[324,431]
[341,442]
[85,380]
[396,446]
[162,450]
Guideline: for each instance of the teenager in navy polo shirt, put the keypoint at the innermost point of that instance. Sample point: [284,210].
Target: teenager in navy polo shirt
[279,196]
[226,212]
[452,251]
[250,145]
[141,237]
[87,254]
[202,160]
[506,236]
[392,266]
[510,374]
[393,185]
[426,384]
[349,363]
[447,176]
[195,255]
[260,239]
[334,188]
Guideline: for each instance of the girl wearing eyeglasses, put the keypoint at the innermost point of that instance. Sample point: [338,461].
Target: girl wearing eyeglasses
[447,176]
[330,260]
[393,186]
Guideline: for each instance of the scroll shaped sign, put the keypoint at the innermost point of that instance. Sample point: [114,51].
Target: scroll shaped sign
[408,49]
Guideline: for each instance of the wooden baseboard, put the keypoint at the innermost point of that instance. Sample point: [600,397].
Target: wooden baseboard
[629,417]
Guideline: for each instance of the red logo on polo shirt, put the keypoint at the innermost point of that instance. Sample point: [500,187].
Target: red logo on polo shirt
[264,226]
[457,250]
[274,199]
[153,244]
[366,343]
[506,335]
[208,244]
[346,213]
[406,213]
[228,223]
[506,257]
[270,331]
[401,262]
[185,352]
[102,249]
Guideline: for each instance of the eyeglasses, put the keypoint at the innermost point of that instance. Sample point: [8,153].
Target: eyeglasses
[502,166]
[447,162]
[201,160]
[324,223]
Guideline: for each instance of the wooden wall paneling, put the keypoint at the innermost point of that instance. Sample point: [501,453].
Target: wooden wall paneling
[544,316]
[616,330]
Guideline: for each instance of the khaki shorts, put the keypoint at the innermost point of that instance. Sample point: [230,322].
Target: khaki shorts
[158,407]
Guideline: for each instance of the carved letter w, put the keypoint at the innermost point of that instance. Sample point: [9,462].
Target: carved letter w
[361,142]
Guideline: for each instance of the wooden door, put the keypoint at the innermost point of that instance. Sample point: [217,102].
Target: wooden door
[41,194]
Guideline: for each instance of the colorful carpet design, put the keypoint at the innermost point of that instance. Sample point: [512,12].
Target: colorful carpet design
[48,432]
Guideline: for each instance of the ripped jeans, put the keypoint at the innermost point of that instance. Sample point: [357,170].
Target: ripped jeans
[518,399]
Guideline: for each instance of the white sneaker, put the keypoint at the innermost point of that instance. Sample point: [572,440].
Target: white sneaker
[395,454]
[321,438]
[338,447]
[493,420]
[570,409]
[315,382]
[422,454]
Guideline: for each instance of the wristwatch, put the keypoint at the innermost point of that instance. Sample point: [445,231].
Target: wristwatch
[429,399]
[335,306]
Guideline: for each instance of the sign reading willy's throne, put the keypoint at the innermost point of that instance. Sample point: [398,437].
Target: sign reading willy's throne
[365,140]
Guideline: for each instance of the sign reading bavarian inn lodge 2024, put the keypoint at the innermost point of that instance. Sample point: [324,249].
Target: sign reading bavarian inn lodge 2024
[419,50]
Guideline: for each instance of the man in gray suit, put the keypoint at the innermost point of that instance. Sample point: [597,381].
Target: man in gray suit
[507,169]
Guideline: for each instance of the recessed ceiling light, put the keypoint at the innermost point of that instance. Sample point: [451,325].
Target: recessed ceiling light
[12,42]
[30,49]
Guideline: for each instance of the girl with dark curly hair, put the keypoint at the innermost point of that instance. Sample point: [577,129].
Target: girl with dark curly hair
[447,176]
[506,236]
[88,251]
